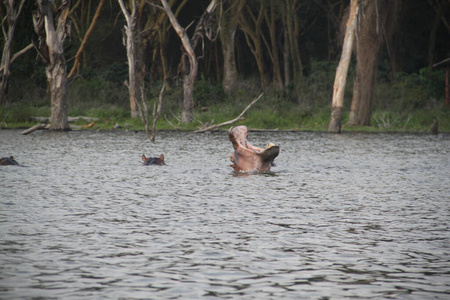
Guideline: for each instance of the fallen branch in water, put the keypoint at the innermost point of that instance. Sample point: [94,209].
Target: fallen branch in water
[240,117]
[34,128]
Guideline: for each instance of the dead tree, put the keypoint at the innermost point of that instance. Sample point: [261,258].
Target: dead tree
[189,65]
[52,25]
[229,20]
[335,125]
[135,41]
[373,30]
[8,27]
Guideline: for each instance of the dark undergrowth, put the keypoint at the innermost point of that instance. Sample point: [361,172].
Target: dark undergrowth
[404,102]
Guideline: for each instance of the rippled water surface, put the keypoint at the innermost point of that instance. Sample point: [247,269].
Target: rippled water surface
[362,216]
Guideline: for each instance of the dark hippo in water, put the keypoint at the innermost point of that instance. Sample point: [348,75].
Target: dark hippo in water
[8,161]
[248,158]
[154,160]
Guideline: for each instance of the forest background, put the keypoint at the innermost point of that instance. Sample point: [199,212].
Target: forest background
[287,49]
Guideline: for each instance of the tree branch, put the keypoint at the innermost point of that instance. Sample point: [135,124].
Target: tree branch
[76,64]
[17,54]
[213,127]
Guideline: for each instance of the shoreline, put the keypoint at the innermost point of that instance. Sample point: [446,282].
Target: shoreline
[224,130]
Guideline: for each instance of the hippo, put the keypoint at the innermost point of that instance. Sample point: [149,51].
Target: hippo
[248,158]
[153,160]
[8,161]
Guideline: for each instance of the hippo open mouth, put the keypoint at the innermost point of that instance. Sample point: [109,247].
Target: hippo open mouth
[248,158]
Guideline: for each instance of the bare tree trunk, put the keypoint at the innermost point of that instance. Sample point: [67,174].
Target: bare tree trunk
[229,20]
[12,14]
[162,28]
[340,80]
[187,114]
[286,60]
[293,34]
[133,86]
[253,34]
[53,29]
[230,73]
[136,44]
[76,64]
[57,79]
[367,47]
[164,66]
[273,46]
[372,33]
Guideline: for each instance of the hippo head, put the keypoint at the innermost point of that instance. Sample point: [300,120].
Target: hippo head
[248,158]
[154,160]
[8,161]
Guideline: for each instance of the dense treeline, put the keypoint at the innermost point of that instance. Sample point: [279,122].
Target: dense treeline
[284,44]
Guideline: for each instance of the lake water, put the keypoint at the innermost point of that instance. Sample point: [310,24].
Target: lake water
[362,216]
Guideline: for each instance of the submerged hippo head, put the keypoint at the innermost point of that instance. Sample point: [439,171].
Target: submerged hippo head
[249,158]
[8,161]
[154,160]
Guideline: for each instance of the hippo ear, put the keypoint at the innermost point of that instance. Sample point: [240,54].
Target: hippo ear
[270,154]
[11,157]
[161,157]
[144,158]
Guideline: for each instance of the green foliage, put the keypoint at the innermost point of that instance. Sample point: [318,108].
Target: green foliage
[117,73]
[320,79]
[388,121]
[207,93]
[317,121]
[411,91]
[15,113]
[412,121]
[315,89]
[265,119]
[84,94]
[409,103]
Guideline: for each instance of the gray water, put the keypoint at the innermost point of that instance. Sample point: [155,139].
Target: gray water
[362,216]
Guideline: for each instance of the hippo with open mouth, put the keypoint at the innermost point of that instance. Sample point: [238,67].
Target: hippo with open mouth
[8,161]
[248,158]
[154,160]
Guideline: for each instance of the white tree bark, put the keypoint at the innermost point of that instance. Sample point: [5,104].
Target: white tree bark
[189,78]
[129,42]
[56,30]
[340,80]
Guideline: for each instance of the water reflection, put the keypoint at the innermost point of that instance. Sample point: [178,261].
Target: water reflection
[339,216]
